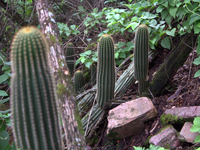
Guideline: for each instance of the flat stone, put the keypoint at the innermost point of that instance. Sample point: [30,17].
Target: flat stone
[184,112]
[128,118]
[167,138]
[186,134]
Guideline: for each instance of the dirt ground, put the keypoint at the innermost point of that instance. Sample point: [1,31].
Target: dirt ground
[183,91]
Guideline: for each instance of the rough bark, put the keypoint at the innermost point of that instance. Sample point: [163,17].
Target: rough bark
[71,122]
[164,75]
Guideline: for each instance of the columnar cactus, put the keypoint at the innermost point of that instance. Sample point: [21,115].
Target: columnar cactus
[69,57]
[35,116]
[79,81]
[105,70]
[141,63]
[93,68]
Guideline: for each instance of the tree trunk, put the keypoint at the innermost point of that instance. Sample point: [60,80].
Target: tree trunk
[71,122]
[164,75]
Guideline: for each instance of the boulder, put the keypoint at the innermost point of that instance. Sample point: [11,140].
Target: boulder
[186,134]
[128,118]
[184,112]
[167,138]
[180,114]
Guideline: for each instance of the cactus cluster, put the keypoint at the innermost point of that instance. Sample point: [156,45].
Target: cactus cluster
[105,70]
[35,116]
[69,57]
[79,81]
[141,63]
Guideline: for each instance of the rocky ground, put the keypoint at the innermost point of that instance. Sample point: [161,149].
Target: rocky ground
[183,91]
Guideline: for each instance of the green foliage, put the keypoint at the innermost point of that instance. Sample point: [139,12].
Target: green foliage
[66,31]
[196,128]
[35,116]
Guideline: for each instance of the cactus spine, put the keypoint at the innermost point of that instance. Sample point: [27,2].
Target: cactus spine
[141,63]
[35,117]
[69,57]
[105,70]
[79,81]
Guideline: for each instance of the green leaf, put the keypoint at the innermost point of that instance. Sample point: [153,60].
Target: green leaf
[2,125]
[3,78]
[159,9]
[122,55]
[198,46]
[197,139]
[117,16]
[197,74]
[4,139]
[165,4]
[133,25]
[4,100]
[164,14]
[196,61]
[116,55]
[193,18]
[168,19]
[172,32]
[166,42]
[173,11]
[88,64]
[3,93]
[120,44]
[196,28]
[88,52]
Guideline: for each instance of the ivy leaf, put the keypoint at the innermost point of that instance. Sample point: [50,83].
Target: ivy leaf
[198,46]
[166,43]
[193,18]
[196,61]
[3,93]
[159,9]
[173,11]
[3,78]
[197,74]
[172,32]
[4,140]
[88,52]
[197,139]
[122,55]
[133,25]
[87,64]
[4,100]
[116,55]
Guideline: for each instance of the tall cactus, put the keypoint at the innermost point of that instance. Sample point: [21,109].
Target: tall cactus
[105,70]
[141,63]
[35,116]
[69,57]
[79,81]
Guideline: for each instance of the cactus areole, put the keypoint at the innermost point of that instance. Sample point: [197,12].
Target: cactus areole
[35,117]
[141,63]
[105,70]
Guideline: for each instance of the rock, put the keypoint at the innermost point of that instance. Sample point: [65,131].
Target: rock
[166,138]
[180,113]
[186,134]
[128,118]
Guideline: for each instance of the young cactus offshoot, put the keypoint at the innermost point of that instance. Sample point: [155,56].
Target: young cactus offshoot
[35,117]
[79,81]
[105,70]
[69,57]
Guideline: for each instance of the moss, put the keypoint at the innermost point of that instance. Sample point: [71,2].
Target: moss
[168,118]
[61,89]
[79,122]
